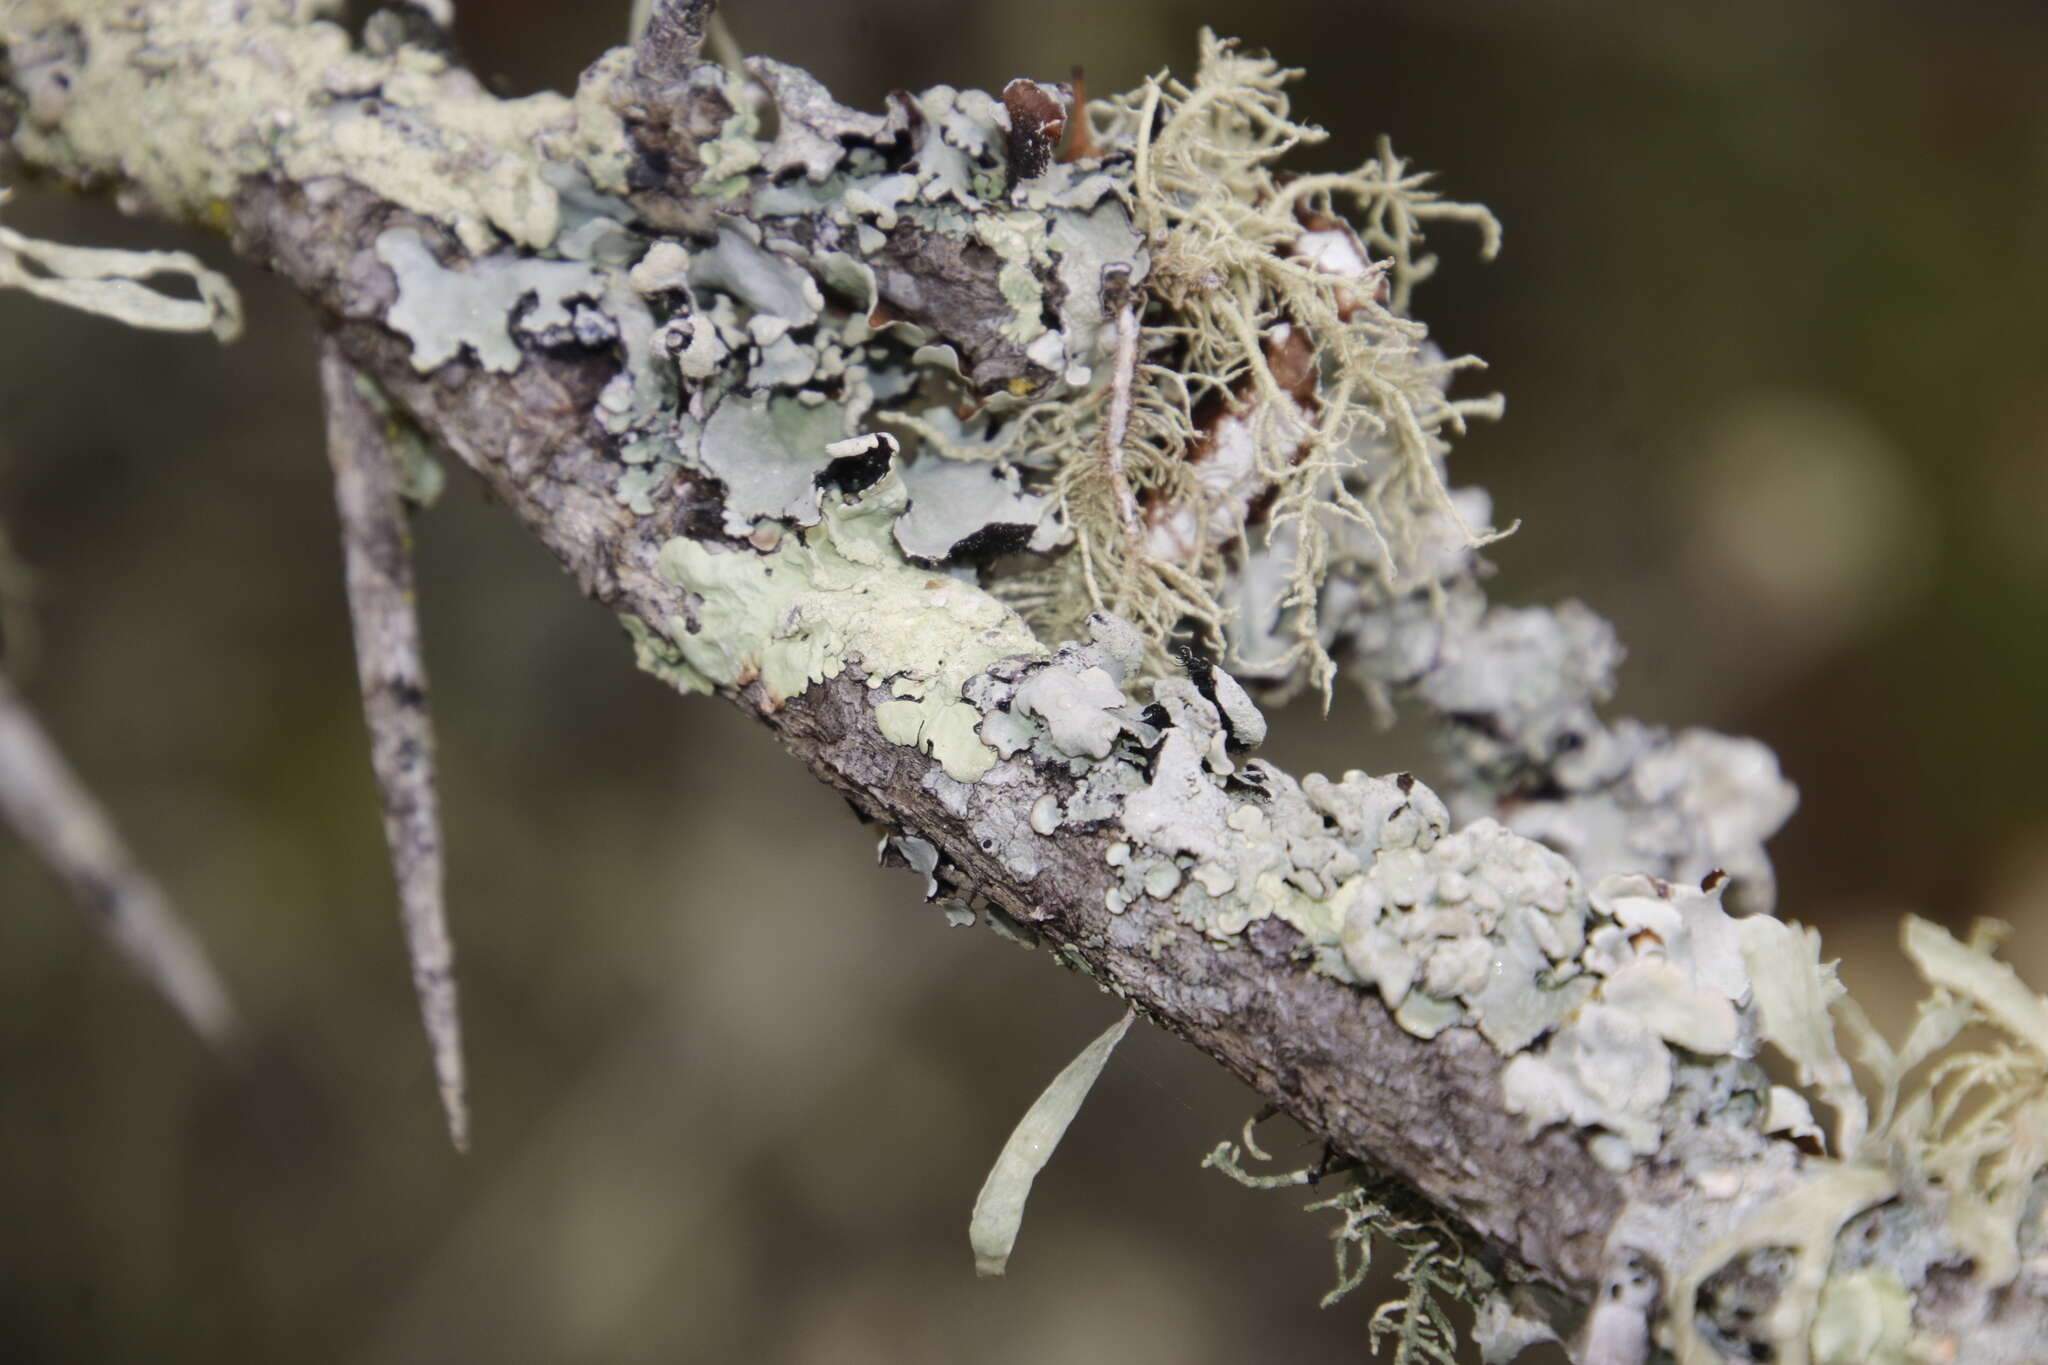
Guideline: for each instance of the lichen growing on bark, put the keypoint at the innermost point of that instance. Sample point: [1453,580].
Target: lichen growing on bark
[1199,403]
[1281,405]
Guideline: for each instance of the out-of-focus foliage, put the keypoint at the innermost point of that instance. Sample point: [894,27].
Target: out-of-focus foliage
[1767,319]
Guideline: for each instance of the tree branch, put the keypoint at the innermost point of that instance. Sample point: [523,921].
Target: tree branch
[1280,926]
[377,552]
[57,818]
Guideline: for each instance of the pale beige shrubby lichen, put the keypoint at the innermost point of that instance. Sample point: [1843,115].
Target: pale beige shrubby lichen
[1326,461]
[1436,1270]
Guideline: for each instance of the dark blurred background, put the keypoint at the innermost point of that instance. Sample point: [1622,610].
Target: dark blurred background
[1770,323]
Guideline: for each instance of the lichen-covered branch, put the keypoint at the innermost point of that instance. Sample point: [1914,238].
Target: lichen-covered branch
[671,345]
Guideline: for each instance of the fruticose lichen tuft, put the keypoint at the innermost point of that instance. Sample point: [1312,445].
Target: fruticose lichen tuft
[1436,1270]
[1281,420]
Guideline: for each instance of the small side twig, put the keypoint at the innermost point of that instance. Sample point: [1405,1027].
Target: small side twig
[377,550]
[1080,137]
[55,816]
[669,40]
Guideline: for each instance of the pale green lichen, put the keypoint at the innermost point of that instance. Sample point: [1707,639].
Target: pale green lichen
[1953,1133]
[728,158]
[1864,1318]
[597,141]
[1594,998]
[1260,301]
[999,1209]
[109,283]
[1078,709]
[772,285]
[1806,1220]
[1793,990]
[956,504]
[654,653]
[768,452]
[1017,239]
[285,94]
[841,594]
[1626,1010]
[1326,460]
[1615,1000]
[923,857]
[811,127]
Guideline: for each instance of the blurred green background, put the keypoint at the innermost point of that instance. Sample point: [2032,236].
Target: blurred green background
[1771,325]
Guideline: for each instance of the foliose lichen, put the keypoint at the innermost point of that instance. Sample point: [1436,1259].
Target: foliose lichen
[840,595]
[446,311]
[289,94]
[1282,421]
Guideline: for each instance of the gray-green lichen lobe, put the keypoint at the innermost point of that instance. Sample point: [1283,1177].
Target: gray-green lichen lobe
[445,311]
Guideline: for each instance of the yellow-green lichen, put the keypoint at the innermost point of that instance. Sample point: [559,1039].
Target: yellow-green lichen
[1016,238]
[729,157]
[654,653]
[842,594]
[274,93]
[597,140]
[1865,1318]
[999,1209]
[1805,1220]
